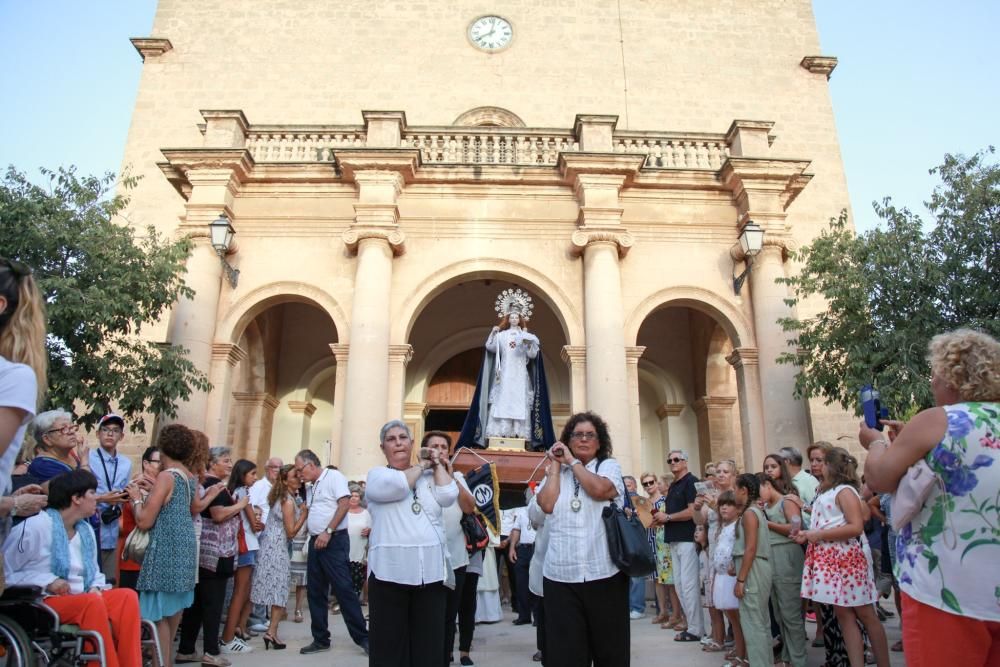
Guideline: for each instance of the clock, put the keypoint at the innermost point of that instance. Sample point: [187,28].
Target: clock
[491,33]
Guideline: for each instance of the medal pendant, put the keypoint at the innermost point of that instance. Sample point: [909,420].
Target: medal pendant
[575,504]
[415,507]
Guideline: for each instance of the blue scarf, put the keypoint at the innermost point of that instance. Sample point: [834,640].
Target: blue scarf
[60,549]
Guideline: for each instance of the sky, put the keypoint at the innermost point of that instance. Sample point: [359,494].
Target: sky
[916,79]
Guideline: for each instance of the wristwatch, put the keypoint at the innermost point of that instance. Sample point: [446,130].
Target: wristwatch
[328,530]
[574,462]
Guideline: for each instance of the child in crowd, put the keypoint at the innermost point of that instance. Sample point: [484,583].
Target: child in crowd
[838,567]
[784,520]
[723,595]
[752,559]
[704,571]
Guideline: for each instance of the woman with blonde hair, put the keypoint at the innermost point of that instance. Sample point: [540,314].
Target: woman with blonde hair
[23,364]
[706,512]
[946,559]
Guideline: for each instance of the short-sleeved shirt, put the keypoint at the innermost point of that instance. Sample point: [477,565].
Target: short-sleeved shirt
[19,390]
[680,495]
[806,485]
[221,500]
[116,469]
[323,499]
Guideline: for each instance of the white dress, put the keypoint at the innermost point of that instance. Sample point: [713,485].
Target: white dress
[511,393]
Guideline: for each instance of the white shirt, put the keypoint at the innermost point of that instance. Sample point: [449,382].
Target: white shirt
[578,545]
[258,498]
[536,517]
[248,534]
[356,522]
[404,547]
[523,524]
[18,389]
[323,498]
[451,516]
[28,557]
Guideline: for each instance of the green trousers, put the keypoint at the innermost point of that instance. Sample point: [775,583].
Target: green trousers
[787,561]
[754,618]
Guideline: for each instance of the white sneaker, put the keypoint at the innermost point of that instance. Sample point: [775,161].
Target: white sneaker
[259,627]
[636,615]
[235,646]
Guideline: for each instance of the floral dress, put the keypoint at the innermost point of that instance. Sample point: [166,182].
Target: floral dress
[947,555]
[837,573]
[272,574]
[664,569]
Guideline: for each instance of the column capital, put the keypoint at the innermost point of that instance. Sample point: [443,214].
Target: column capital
[574,354]
[710,402]
[400,354]
[354,235]
[779,243]
[744,356]
[228,352]
[592,235]
[341,351]
[261,398]
[414,409]
[669,410]
[302,408]
[632,353]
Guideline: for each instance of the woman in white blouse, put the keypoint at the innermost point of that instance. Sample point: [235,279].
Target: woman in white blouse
[408,561]
[56,550]
[586,596]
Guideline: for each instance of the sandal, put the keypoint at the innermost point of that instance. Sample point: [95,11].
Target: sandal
[712,646]
[897,647]
[298,616]
[685,636]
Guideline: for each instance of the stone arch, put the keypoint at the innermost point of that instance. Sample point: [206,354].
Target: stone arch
[541,287]
[732,321]
[261,298]
[489,116]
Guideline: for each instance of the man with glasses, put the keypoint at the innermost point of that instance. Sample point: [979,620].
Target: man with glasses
[678,529]
[113,472]
[329,547]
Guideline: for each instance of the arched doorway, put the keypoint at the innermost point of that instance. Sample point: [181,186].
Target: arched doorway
[282,390]
[447,339]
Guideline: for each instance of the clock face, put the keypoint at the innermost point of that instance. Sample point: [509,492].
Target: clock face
[491,33]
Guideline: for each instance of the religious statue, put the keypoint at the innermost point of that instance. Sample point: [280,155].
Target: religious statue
[511,398]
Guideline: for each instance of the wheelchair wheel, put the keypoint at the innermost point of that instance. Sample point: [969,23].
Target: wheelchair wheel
[15,646]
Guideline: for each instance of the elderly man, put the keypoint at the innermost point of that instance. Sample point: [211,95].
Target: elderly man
[113,472]
[258,498]
[678,528]
[803,481]
[329,547]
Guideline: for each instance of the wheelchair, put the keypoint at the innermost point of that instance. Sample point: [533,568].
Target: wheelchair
[31,635]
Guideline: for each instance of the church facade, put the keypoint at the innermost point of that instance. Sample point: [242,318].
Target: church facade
[390,167]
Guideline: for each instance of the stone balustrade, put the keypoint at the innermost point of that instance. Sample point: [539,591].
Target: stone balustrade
[487,145]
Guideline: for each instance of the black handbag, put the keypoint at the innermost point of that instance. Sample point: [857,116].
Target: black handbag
[628,540]
[476,537]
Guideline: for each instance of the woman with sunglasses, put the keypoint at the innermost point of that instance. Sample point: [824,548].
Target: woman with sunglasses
[585,595]
[23,363]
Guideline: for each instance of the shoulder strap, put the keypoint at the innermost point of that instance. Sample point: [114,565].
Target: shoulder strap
[184,483]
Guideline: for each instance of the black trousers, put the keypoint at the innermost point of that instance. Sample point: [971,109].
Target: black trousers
[527,602]
[454,601]
[467,612]
[587,622]
[504,562]
[407,623]
[205,614]
[540,628]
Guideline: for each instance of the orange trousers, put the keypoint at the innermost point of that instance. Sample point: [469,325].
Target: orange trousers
[114,614]
[932,638]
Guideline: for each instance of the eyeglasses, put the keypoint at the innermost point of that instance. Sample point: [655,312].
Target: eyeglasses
[110,431]
[648,483]
[65,430]
[580,435]
[675,460]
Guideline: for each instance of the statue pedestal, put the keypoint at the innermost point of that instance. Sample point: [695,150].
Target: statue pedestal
[508,444]
[514,468]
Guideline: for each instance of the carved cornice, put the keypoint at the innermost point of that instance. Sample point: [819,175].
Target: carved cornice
[587,234]
[706,403]
[400,354]
[392,235]
[572,165]
[574,354]
[341,351]
[744,356]
[151,47]
[632,353]
[256,398]
[232,354]
[819,65]
[405,161]
[302,407]
[416,410]
[182,161]
[782,178]
[669,410]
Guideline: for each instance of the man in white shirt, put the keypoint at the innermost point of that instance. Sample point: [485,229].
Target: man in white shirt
[329,546]
[258,498]
[521,551]
[805,483]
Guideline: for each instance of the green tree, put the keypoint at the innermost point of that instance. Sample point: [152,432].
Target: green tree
[101,282]
[890,290]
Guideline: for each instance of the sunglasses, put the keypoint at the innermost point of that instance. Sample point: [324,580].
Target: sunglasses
[648,483]
[675,460]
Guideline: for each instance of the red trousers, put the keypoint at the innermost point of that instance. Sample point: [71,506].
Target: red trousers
[932,638]
[114,614]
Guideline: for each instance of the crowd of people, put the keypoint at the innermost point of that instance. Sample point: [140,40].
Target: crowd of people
[744,561]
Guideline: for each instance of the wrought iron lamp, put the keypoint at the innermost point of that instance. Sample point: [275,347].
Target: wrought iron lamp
[751,241]
[221,233]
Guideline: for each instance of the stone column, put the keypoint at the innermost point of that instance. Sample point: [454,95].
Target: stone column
[340,352]
[576,357]
[668,414]
[715,427]
[755,445]
[256,431]
[307,410]
[632,355]
[399,358]
[225,357]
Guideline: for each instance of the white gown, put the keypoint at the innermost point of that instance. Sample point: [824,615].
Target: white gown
[511,393]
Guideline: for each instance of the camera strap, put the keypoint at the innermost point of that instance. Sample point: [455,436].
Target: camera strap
[109,480]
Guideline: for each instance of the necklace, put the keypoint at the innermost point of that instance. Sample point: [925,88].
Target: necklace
[576,504]
[415,507]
